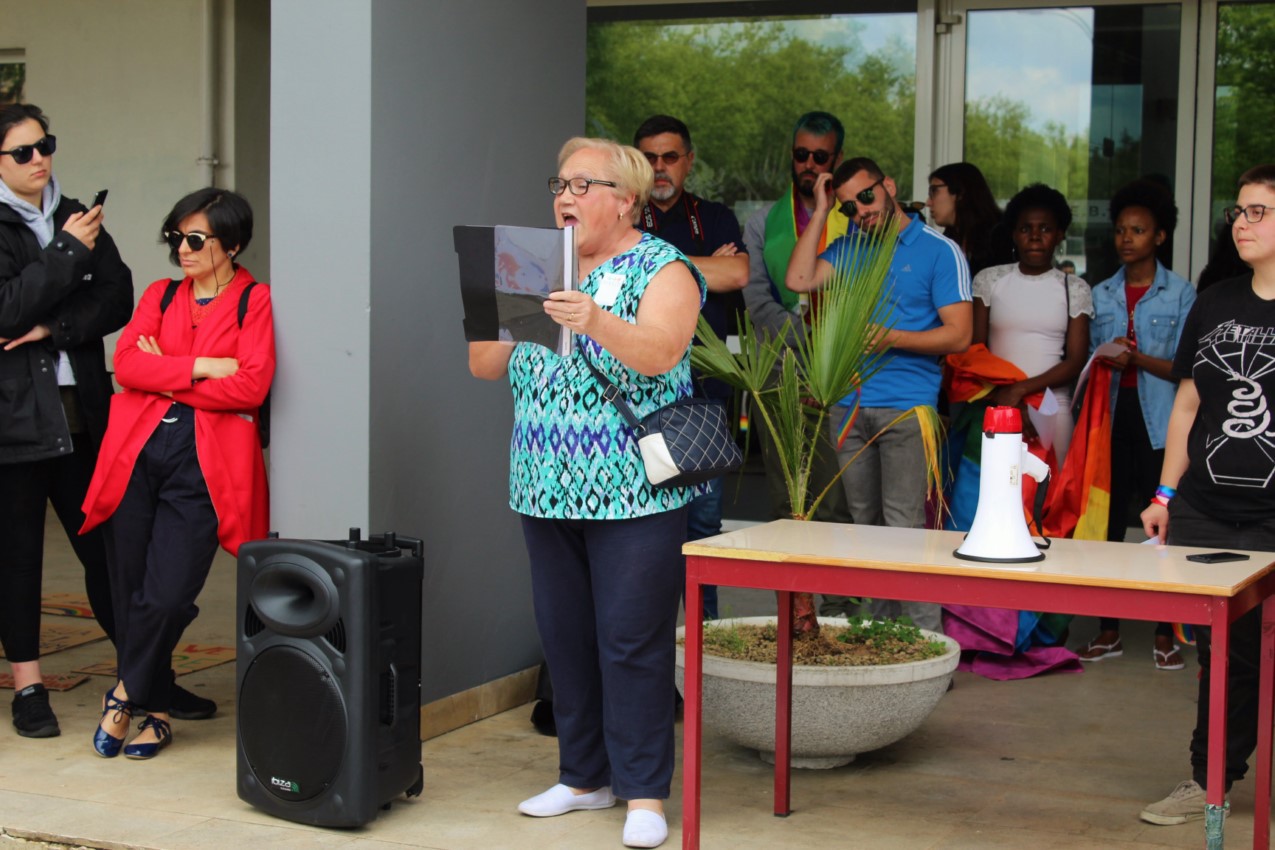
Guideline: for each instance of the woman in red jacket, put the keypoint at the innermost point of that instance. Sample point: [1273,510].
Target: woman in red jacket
[181,467]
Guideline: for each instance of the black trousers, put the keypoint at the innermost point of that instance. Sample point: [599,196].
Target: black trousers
[1189,527]
[28,488]
[1135,473]
[164,535]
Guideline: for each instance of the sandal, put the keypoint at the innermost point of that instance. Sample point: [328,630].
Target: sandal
[105,744]
[163,732]
[1100,651]
[1171,660]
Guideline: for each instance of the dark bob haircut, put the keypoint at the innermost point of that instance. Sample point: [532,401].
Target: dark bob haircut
[1038,196]
[229,215]
[1152,196]
[658,125]
[13,114]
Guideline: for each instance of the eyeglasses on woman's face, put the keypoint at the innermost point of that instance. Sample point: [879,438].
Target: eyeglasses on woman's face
[22,153]
[867,197]
[935,188]
[194,239]
[577,185]
[1253,213]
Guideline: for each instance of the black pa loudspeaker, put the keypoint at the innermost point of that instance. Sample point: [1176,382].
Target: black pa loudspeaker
[329,676]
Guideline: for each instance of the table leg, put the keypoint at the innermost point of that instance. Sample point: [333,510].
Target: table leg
[1220,655]
[783,706]
[692,710]
[1265,717]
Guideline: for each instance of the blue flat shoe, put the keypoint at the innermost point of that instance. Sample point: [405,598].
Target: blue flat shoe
[163,731]
[105,744]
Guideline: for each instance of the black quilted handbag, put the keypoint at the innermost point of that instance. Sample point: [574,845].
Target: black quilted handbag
[683,443]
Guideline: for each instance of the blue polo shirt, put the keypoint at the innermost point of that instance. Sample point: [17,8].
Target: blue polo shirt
[928,272]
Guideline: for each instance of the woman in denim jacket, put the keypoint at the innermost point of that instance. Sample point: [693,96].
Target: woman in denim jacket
[1141,307]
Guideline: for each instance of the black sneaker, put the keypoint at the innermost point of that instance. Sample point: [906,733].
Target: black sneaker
[184,705]
[32,715]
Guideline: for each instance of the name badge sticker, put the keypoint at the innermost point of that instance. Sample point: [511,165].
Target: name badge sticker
[609,289]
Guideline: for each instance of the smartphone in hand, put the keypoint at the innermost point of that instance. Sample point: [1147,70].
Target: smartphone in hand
[99,198]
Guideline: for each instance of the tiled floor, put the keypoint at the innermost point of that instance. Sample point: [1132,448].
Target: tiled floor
[1059,762]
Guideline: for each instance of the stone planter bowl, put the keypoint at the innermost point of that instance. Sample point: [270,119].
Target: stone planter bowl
[837,712]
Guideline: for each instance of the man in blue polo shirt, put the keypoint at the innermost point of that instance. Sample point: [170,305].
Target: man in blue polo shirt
[708,234]
[931,311]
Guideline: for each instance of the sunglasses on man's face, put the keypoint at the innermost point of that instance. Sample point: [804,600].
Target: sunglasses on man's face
[669,157]
[22,153]
[195,240]
[801,155]
[867,197]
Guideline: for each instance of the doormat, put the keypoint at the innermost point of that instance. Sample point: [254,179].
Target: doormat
[52,681]
[66,605]
[186,659]
[57,635]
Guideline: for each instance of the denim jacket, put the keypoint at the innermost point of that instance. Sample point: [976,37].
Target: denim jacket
[1157,325]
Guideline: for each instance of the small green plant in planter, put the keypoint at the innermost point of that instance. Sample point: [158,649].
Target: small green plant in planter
[855,644]
[835,356]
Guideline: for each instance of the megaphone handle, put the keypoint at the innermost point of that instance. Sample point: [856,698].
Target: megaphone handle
[1038,507]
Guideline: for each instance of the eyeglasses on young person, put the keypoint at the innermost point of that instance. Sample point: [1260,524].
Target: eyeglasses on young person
[866,196]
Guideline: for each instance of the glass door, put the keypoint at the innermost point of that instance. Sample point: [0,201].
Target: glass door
[1083,98]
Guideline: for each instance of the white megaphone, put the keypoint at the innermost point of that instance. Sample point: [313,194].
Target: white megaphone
[999,534]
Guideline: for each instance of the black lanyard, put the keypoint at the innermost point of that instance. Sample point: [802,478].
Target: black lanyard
[690,203]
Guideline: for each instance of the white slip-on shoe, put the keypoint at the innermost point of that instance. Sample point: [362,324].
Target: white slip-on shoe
[645,828]
[560,799]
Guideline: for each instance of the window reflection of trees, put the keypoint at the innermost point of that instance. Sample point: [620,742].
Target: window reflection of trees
[13,77]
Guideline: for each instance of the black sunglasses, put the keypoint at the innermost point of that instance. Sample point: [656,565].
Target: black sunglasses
[669,157]
[22,153]
[866,196]
[195,240]
[801,155]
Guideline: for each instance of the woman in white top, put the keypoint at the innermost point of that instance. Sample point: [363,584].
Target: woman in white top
[1034,315]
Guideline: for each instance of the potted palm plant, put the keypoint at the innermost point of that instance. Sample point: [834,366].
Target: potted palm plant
[838,710]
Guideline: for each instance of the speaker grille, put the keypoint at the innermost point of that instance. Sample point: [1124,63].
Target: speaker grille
[252,624]
[336,636]
[292,723]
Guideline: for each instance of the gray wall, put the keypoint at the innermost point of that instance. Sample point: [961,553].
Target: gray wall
[392,122]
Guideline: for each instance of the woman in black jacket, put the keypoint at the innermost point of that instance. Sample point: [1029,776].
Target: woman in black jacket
[63,287]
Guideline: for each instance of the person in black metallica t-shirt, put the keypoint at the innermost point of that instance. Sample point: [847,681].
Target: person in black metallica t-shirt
[708,234]
[1217,486]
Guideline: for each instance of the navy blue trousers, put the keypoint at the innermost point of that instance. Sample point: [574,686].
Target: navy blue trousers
[606,596]
[164,535]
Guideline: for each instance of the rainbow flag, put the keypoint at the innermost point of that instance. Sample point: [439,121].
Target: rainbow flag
[1079,502]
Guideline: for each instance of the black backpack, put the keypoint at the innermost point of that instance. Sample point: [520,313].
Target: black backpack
[263,413]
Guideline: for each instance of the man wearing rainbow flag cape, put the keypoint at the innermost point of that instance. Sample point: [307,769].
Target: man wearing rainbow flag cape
[771,234]
[930,306]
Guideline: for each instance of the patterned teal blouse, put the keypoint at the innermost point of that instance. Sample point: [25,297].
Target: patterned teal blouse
[571,455]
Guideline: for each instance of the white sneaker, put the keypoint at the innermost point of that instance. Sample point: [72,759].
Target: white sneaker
[645,828]
[560,799]
[1184,804]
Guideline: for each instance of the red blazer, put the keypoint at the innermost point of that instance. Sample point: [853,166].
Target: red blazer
[226,439]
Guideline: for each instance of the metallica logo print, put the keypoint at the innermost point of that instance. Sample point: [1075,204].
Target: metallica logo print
[1243,453]
[1228,350]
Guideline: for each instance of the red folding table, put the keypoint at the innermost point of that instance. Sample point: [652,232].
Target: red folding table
[1077,577]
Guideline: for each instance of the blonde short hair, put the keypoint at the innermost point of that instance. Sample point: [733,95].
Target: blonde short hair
[626,166]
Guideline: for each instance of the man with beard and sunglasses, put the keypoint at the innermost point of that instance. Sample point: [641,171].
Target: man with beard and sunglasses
[708,234]
[929,302]
[770,234]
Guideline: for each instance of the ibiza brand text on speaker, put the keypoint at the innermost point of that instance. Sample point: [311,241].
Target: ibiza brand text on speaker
[329,676]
